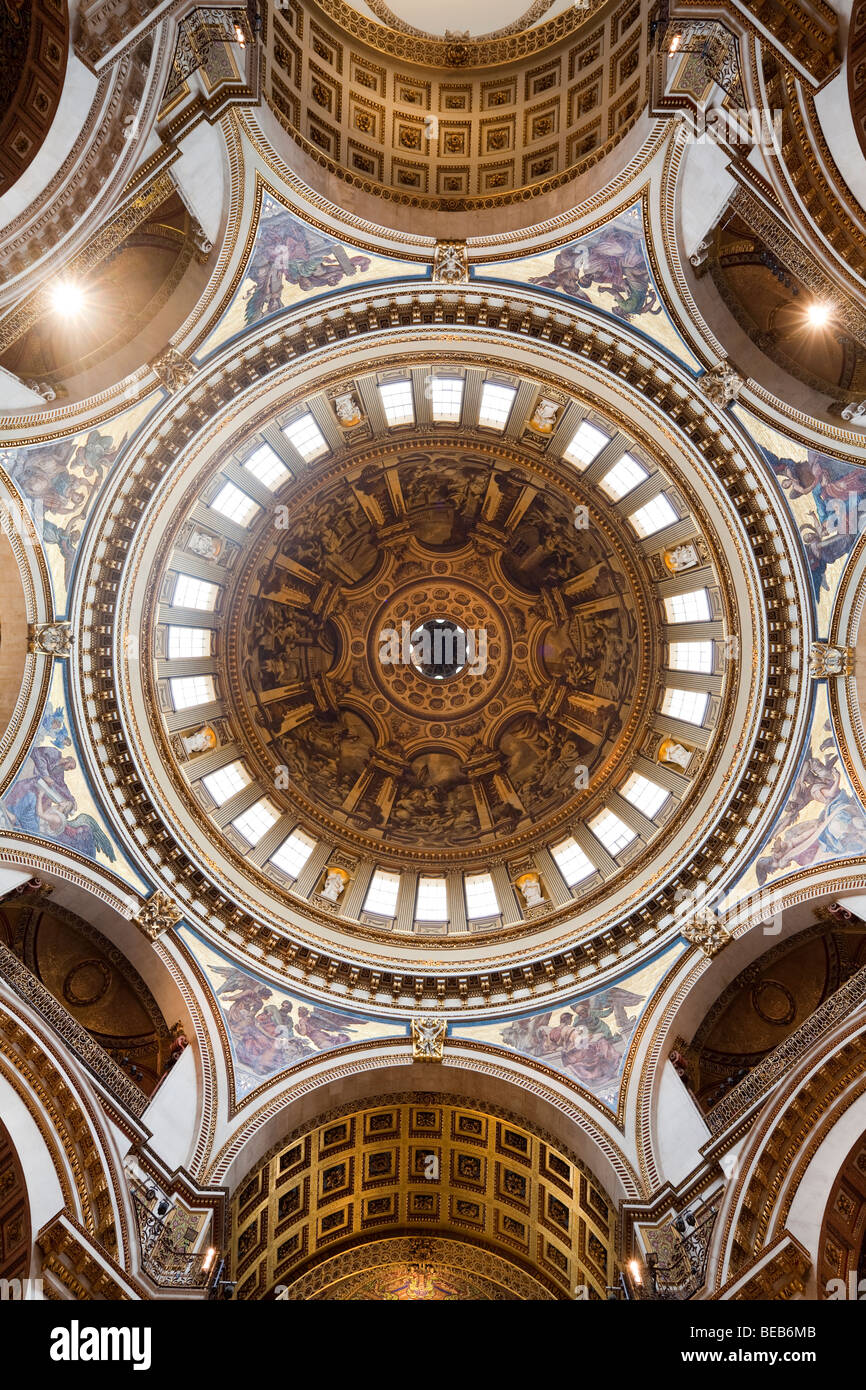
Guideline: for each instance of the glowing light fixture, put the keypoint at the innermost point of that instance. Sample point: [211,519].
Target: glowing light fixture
[675,44]
[818,314]
[67,298]
[634,1271]
[240,36]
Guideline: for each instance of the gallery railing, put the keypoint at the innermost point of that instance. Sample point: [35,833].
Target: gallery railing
[777,1064]
[166,1264]
[686,1272]
[101,1065]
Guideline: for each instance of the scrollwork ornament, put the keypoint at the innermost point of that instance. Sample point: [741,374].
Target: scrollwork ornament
[173,369]
[722,383]
[157,915]
[51,639]
[827,661]
[706,931]
[450,263]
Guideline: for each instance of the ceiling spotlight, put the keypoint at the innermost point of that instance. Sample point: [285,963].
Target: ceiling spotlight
[818,315]
[67,298]
[634,1271]
[675,43]
[240,36]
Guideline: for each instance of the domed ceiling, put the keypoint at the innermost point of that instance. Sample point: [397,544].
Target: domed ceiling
[549,631]
[442,651]
[453,19]
[456,109]
[436,652]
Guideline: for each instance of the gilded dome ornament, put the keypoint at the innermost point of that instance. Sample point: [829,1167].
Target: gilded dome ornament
[428,1038]
[51,639]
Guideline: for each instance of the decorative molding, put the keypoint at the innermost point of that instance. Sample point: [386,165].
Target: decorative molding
[827,661]
[777,1064]
[50,639]
[157,915]
[797,258]
[70,1032]
[428,1038]
[777,1273]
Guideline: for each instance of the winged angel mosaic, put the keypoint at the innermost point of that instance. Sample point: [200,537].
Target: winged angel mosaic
[586,1039]
[289,252]
[270,1030]
[41,801]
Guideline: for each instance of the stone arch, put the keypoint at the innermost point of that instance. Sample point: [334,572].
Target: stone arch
[692,988]
[477,1073]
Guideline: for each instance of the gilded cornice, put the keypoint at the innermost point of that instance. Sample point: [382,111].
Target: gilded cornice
[487,50]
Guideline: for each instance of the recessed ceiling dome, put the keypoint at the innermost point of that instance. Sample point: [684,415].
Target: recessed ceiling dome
[439,657]
[608,706]
[485,18]
[455,109]
[324,710]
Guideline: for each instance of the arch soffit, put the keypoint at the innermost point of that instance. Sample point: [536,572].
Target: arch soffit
[694,983]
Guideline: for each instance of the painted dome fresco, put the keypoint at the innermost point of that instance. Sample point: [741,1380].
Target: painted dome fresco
[432,747]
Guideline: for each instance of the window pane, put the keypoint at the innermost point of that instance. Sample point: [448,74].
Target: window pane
[257,820]
[194,593]
[571,861]
[382,893]
[481,900]
[654,516]
[231,502]
[306,436]
[647,796]
[691,656]
[496,403]
[586,445]
[693,607]
[446,397]
[623,477]
[186,642]
[689,705]
[189,691]
[397,402]
[266,465]
[613,833]
[431,904]
[293,853]
[227,781]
